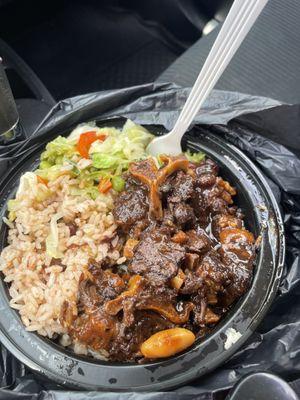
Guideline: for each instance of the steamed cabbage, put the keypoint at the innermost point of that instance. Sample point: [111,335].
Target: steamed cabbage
[52,240]
[120,148]
[109,158]
[194,157]
[58,149]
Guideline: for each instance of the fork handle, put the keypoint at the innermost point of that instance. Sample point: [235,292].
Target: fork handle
[239,21]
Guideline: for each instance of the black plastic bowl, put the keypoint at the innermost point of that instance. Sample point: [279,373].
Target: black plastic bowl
[263,217]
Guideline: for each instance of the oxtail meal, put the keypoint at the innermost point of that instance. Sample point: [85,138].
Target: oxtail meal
[122,256]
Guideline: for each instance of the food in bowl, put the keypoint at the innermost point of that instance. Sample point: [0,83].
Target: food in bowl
[120,255]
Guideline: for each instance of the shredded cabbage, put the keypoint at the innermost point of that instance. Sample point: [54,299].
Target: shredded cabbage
[59,149]
[109,158]
[120,148]
[52,240]
[91,191]
[12,208]
[29,187]
[28,184]
[137,134]
[118,183]
[8,222]
[53,172]
[105,161]
[194,157]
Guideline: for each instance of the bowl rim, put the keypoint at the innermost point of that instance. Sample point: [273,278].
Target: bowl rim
[75,372]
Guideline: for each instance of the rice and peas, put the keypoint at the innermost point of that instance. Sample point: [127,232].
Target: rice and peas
[61,219]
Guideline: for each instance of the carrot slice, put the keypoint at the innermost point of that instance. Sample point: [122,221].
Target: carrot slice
[42,180]
[104,185]
[85,141]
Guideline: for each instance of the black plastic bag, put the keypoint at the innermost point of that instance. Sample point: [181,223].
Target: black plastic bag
[269,133]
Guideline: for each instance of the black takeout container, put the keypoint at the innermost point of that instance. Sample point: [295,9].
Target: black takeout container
[262,216]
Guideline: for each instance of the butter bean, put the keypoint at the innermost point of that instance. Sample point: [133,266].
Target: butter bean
[167,343]
[178,280]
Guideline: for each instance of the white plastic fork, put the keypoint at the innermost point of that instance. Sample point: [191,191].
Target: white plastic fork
[239,21]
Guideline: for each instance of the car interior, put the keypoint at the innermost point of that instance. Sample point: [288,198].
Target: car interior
[58,49]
